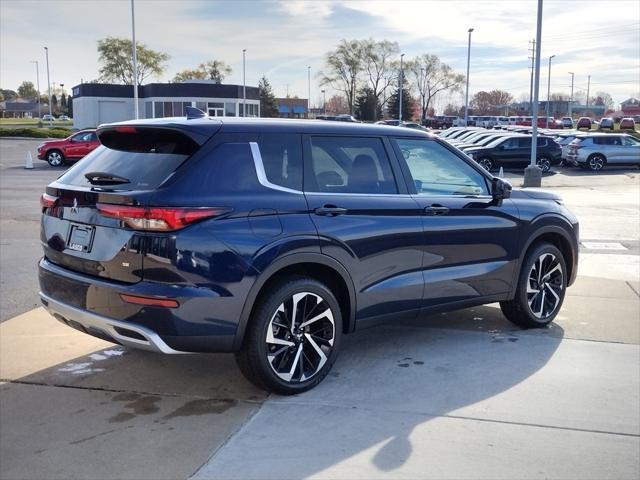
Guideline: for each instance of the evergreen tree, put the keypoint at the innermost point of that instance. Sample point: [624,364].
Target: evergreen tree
[408,105]
[268,104]
[367,107]
[63,103]
[70,106]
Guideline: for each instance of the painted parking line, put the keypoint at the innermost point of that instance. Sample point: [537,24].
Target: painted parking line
[603,246]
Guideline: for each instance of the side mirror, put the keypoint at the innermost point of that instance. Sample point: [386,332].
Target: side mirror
[500,189]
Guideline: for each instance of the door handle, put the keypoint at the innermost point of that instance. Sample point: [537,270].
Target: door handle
[330,211]
[436,210]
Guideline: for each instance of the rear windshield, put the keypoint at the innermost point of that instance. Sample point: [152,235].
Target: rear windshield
[143,170]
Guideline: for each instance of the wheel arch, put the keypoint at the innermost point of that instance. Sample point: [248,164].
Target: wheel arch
[560,238]
[314,265]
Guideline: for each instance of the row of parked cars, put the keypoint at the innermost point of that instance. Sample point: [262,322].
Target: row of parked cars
[510,146]
[445,121]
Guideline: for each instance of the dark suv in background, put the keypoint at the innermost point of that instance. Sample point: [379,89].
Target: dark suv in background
[515,151]
[273,239]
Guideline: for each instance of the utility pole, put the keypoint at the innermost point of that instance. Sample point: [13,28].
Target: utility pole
[324,101]
[466,95]
[588,87]
[548,109]
[571,98]
[135,62]
[38,85]
[400,91]
[46,50]
[533,59]
[532,174]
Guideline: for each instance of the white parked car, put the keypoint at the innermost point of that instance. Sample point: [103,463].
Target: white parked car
[595,151]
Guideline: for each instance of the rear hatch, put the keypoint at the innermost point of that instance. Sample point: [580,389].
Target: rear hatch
[95,220]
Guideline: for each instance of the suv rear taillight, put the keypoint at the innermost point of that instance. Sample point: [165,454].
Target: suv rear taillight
[158,219]
[48,201]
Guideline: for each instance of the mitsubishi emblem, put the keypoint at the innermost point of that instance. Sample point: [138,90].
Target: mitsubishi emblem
[74,207]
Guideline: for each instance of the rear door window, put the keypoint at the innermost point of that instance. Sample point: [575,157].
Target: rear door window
[350,165]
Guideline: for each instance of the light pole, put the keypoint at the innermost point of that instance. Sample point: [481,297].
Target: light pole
[244,83]
[309,88]
[46,50]
[400,91]
[532,174]
[135,63]
[571,98]
[466,95]
[548,92]
[324,101]
[421,87]
[61,94]
[38,86]
[588,87]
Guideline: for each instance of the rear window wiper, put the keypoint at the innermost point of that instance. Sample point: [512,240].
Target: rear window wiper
[103,178]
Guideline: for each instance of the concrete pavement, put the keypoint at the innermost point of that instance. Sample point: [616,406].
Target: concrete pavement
[457,395]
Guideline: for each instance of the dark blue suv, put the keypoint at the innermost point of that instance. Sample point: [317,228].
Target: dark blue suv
[274,238]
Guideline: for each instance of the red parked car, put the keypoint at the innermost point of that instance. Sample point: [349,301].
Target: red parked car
[72,148]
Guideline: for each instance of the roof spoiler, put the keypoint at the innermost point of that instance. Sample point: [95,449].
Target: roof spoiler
[193,112]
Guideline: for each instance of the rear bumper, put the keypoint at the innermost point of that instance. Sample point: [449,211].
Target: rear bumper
[128,334]
[204,321]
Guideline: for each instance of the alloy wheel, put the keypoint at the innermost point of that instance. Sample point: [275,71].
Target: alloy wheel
[596,163]
[486,164]
[544,164]
[544,285]
[55,159]
[300,337]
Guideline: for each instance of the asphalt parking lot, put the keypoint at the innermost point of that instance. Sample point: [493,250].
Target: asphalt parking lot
[457,395]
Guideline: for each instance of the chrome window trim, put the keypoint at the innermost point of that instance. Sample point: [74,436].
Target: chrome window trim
[262,174]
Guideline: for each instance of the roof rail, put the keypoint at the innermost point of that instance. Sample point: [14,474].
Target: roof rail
[193,112]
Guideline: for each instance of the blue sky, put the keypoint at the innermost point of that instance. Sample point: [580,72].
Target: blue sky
[597,38]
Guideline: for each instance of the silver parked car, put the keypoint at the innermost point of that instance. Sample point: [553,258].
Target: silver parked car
[597,150]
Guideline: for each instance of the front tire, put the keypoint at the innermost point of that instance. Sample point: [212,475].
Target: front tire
[293,337]
[486,163]
[541,288]
[55,158]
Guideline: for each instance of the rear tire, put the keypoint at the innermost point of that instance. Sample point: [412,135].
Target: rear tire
[544,164]
[541,288]
[596,162]
[289,359]
[55,158]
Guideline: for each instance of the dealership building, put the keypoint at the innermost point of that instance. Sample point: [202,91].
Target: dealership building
[97,103]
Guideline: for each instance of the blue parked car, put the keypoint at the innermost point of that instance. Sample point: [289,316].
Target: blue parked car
[274,238]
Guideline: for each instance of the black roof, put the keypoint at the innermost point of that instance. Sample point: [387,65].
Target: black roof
[277,125]
[184,90]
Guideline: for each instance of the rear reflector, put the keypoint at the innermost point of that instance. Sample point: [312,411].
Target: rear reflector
[158,219]
[149,301]
[48,201]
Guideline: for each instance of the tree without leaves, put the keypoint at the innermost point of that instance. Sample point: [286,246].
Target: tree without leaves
[454,110]
[433,77]
[115,57]
[559,97]
[27,90]
[603,98]
[380,66]
[268,104]
[336,105]
[486,103]
[342,67]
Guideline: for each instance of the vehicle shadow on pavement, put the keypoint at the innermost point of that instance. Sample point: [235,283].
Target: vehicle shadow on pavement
[389,381]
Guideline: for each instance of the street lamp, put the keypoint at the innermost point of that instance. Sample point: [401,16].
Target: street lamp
[309,87]
[324,101]
[466,95]
[532,174]
[421,87]
[46,50]
[548,92]
[38,85]
[400,91]
[571,98]
[244,83]
[135,62]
